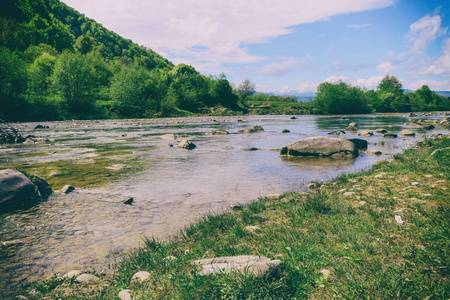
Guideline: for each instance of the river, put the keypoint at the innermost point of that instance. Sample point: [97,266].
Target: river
[110,161]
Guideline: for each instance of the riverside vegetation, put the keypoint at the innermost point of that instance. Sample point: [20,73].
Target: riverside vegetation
[381,234]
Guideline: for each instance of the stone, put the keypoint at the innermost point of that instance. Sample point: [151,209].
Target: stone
[293,118]
[41,127]
[407,132]
[141,276]
[320,146]
[414,183]
[359,143]
[125,295]
[252,228]
[217,132]
[169,136]
[17,191]
[253,265]
[236,207]
[337,132]
[44,188]
[73,273]
[253,129]
[129,201]
[390,135]
[399,220]
[285,131]
[365,133]
[67,189]
[87,278]
[353,126]
[380,130]
[428,127]
[185,144]
[250,149]
[326,273]
[349,193]
[374,152]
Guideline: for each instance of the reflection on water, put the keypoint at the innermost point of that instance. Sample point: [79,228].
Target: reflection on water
[110,161]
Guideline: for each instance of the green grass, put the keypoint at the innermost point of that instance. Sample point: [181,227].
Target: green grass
[355,237]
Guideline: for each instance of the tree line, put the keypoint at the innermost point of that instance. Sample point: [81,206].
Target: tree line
[343,98]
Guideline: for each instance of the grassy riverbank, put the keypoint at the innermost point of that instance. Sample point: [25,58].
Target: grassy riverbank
[348,227]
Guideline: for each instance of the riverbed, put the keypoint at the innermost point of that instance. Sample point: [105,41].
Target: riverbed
[110,161]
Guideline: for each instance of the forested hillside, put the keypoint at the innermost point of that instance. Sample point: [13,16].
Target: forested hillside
[55,64]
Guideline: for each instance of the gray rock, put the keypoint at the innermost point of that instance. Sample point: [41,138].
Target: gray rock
[407,132]
[390,135]
[169,136]
[217,132]
[67,189]
[16,191]
[285,131]
[185,144]
[428,127]
[141,276]
[337,132]
[250,149]
[125,295]
[44,188]
[359,143]
[381,130]
[87,278]
[353,126]
[320,146]
[245,264]
[73,273]
[253,129]
[374,152]
[365,133]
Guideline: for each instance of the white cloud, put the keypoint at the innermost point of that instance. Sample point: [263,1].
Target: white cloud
[306,86]
[359,26]
[441,66]
[220,28]
[368,83]
[386,67]
[278,69]
[424,32]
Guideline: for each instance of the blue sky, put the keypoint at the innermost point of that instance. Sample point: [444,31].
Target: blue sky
[291,44]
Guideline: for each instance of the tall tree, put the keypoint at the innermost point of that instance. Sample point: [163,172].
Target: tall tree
[245,89]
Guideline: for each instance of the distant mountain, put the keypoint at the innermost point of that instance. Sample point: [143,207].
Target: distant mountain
[300,96]
[443,93]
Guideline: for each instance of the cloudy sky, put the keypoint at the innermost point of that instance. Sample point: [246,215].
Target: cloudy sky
[291,44]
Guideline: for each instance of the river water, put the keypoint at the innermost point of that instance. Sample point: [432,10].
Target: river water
[110,161]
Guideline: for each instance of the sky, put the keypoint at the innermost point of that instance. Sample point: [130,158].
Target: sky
[286,45]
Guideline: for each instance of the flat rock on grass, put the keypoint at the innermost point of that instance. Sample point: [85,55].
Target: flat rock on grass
[245,264]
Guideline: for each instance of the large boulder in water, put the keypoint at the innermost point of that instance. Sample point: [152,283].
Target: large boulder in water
[321,146]
[16,191]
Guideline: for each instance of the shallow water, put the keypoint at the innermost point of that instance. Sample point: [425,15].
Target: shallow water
[111,161]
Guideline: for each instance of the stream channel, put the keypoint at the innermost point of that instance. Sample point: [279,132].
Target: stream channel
[110,161]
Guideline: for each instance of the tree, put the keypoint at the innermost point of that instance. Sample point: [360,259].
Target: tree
[39,75]
[340,98]
[78,80]
[130,92]
[390,94]
[245,89]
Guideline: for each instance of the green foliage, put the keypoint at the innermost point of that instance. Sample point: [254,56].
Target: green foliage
[340,98]
[78,79]
[245,89]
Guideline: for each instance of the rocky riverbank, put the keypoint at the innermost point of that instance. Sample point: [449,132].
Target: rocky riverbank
[383,232]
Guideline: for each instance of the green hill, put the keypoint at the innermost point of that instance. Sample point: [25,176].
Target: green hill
[55,64]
